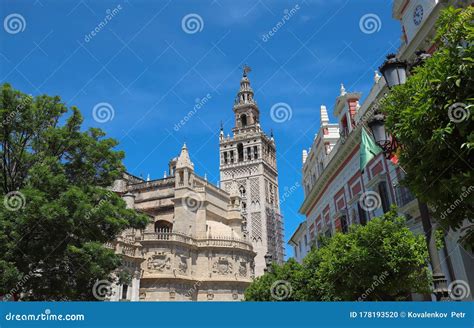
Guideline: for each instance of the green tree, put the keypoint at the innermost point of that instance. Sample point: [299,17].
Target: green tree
[282,283]
[382,260]
[432,118]
[57,213]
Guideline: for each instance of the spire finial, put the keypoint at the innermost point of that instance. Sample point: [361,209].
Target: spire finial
[183,159]
[377,77]
[305,155]
[245,70]
[324,115]
[222,126]
[343,90]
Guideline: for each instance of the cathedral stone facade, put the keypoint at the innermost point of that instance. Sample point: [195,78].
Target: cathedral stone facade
[204,243]
[248,158]
[194,247]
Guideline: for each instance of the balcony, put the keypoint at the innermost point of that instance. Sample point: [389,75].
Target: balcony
[126,247]
[216,241]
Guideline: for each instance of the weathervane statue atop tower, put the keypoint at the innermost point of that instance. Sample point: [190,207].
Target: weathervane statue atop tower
[246,69]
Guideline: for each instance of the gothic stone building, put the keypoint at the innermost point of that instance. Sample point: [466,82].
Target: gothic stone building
[192,249]
[249,159]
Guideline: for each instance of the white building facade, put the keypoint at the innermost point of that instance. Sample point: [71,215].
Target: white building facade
[337,192]
[300,242]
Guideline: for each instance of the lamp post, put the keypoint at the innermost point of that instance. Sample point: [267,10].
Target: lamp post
[395,73]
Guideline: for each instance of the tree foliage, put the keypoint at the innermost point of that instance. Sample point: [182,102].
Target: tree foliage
[432,118]
[382,260]
[56,212]
[268,287]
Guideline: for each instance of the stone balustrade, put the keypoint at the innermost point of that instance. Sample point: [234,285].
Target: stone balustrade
[213,241]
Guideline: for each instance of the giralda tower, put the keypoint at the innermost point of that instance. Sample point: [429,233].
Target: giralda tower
[249,158]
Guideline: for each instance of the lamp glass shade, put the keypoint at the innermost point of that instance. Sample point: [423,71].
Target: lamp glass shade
[377,126]
[395,75]
[394,71]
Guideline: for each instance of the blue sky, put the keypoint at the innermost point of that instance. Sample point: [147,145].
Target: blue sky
[151,70]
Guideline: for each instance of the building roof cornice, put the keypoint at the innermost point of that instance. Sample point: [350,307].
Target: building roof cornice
[301,227]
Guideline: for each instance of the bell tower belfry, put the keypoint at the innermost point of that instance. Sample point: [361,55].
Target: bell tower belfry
[245,108]
[248,158]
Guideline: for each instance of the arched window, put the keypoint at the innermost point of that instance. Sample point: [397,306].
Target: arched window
[162,226]
[124,291]
[243,120]
[240,151]
[181,177]
[242,191]
[225,157]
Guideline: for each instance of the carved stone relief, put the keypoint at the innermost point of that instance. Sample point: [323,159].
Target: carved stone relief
[222,266]
[243,269]
[159,262]
[182,264]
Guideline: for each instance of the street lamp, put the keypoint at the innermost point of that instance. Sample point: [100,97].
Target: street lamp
[395,73]
[381,135]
